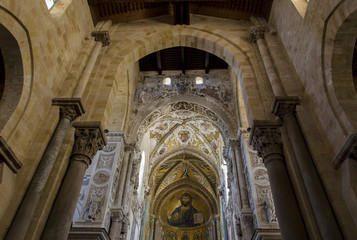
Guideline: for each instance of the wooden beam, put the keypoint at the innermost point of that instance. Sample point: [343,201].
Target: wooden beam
[207,63]
[183,64]
[158,60]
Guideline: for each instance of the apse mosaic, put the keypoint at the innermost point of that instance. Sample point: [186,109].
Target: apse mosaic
[185,209]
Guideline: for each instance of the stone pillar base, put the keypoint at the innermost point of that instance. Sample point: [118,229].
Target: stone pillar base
[88,234]
[266,234]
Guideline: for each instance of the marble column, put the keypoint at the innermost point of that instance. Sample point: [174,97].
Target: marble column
[89,138]
[285,108]
[266,139]
[257,36]
[102,39]
[246,212]
[70,109]
[115,228]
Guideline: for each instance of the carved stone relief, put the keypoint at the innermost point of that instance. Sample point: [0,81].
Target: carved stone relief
[101,177]
[105,161]
[93,208]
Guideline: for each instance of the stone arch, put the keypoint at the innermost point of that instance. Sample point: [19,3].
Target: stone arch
[238,57]
[16,48]
[339,38]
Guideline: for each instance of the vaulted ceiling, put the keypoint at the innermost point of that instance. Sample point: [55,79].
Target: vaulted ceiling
[131,10]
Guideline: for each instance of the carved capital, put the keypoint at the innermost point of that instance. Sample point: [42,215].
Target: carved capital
[266,138]
[117,215]
[348,150]
[257,33]
[88,139]
[101,36]
[235,143]
[247,218]
[285,106]
[129,147]
[70,108]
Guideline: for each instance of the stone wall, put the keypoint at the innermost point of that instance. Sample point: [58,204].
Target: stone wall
[308,41]
[49,42]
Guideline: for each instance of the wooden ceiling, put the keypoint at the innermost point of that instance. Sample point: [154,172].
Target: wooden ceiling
[181,58]
[131,10]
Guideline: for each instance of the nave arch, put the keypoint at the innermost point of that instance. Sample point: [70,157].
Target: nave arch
[117,60]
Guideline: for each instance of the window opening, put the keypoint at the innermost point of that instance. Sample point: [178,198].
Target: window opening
[199,80]
[167,81]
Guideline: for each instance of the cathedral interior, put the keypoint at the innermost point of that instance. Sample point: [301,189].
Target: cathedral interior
[178,119]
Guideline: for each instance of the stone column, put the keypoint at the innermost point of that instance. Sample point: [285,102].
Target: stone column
[117,221]
[127,181]
[102,39]
[89,138]
[257,36]
[285,108]
[70,109]
[235,177]
[246,212]
[266,139]
[115,228]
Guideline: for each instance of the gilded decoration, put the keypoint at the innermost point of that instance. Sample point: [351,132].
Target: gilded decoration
[192,169]
[194,132]
[185,214]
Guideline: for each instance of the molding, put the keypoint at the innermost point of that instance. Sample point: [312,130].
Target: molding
[88,234]
[8,156]
[348,150]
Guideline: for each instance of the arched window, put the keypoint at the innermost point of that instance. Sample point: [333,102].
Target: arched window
[50,3]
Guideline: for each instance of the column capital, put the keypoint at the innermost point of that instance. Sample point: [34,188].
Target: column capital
[129,147]
[235,143]
[284,106]
[101,36]
[88,139]
[117,214]
[265,137]
[70,108]
[257,33]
